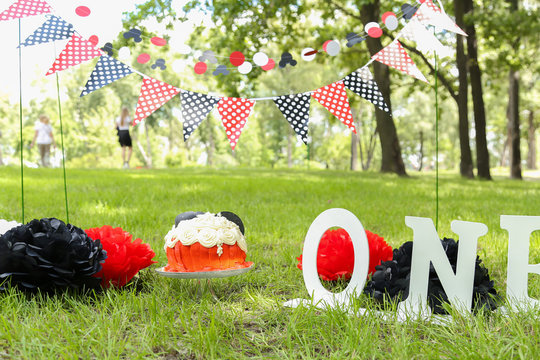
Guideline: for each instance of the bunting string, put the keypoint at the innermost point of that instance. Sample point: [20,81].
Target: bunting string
[155,93]
[21,124]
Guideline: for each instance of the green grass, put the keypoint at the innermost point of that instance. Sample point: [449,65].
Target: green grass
[156,317]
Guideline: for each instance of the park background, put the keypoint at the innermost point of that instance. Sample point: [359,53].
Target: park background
[269,181]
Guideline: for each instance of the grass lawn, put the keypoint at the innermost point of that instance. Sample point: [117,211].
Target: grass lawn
[157,317]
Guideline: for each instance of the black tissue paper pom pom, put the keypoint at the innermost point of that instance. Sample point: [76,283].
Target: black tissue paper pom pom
[390,282]
[47,254]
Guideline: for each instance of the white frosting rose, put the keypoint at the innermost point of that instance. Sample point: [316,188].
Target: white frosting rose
[209,230]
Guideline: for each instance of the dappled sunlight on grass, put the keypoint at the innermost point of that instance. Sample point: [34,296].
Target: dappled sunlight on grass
[170,318]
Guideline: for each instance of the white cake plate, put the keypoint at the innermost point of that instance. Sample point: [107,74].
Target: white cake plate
[204,274]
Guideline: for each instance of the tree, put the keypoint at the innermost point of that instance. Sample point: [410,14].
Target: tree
[277,20]
[482,153]
[466,164]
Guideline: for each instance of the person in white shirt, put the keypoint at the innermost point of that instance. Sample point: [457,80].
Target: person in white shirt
[122,126]
[44,139]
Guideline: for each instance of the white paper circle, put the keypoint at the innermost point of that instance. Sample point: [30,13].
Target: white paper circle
[245,68]
[178,65]
[308,57]
[124,53]
[183,49]
[370,25]
[391,23]
[332,48]
[260,59]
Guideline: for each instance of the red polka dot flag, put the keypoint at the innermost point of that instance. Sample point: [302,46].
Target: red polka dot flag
[429,13]
[77,50]
[154,94]
[394,55]
[234,113]
[334,98]
[25,8]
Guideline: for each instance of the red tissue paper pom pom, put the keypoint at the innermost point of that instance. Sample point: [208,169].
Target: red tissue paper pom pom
[335,257]
[124,257]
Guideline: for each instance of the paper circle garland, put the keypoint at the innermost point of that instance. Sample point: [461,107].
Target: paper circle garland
[373,29]
[143,58]
[260,59]
[94,39]
[237,58]
[158,41]
[245,68]
[271,64]
[390,20]
[310,57]
[83,11]
[124,53]
[331,47]
[200,68]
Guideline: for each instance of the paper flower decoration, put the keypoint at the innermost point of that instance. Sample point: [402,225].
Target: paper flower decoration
[7,225]
[124,257]
[335,257]
[390,282]
[47,254]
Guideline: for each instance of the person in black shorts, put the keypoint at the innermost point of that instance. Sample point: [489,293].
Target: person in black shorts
[123,122]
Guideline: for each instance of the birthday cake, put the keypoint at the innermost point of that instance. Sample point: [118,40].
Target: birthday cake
[206,242]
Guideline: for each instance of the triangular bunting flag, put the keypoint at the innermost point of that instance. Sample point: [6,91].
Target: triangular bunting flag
[425,40]
[362,83]
[107,70]
[430,14]
[295,108]
[25,8]
[334,98]
[76,51]
[154,94]
[394,55]
[234,113]
[54,28]
[195,108]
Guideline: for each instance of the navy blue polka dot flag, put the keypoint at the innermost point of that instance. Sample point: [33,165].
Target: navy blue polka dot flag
[362,83]
[107,70]
[54,28]
[295,108]
[195,108]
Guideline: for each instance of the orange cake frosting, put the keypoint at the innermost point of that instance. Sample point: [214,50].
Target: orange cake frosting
[205,243]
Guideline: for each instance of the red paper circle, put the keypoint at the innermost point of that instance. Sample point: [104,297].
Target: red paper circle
[143,58]
[375,32]
[158,41]
[237,58]
[271,64]
[94,40]
[82,11]
[325,44]
[200,68]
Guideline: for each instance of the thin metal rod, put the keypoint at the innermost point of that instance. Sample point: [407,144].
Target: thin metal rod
[21,122]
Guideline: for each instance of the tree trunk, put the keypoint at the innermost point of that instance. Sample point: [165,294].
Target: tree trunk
[1,159]
[390,148]
[482,154]
[466,164]
[148,157]
[531,156]
[289,148]
[354,151]
[513,122]
[421,154]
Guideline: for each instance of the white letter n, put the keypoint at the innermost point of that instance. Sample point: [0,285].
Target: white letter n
[427,248]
